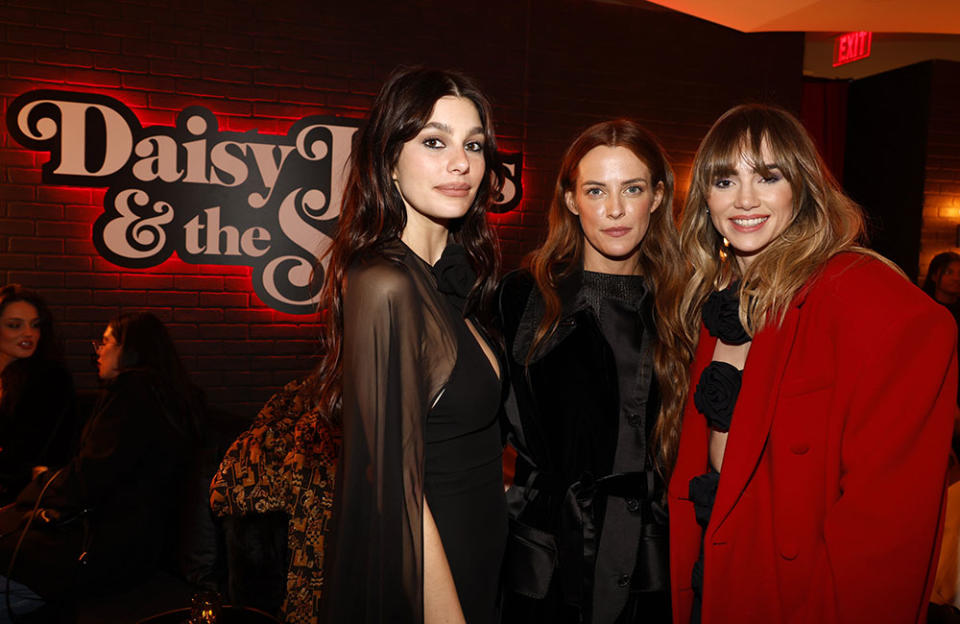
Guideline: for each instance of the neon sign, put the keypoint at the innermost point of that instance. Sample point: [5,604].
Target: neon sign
[269,202]
[851,47]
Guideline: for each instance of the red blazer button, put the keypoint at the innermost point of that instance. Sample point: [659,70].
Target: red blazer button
[799,448]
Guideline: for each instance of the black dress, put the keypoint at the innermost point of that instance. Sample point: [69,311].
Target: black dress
[464,477]
[418,409]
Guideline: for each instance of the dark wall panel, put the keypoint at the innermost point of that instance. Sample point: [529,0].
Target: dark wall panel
[886,158]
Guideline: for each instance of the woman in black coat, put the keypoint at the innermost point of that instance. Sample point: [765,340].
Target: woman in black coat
[100,523]
[593,364]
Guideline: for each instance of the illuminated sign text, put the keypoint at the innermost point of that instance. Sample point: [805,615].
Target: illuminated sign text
[230,198]
[851,47]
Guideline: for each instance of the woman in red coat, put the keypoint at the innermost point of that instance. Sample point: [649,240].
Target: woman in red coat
[810,472]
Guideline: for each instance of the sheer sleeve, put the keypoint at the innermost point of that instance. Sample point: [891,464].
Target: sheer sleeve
[375,563]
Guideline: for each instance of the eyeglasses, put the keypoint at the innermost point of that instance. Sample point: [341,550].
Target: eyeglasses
[100,344]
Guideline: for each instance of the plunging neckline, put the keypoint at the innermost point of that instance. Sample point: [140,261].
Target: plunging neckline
[485,346]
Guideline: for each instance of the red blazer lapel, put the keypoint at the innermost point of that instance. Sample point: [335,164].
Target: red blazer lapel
[753,415]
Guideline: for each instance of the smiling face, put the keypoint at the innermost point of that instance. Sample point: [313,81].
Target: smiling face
[613,196]
[19,332]
[751,206]
[439,171]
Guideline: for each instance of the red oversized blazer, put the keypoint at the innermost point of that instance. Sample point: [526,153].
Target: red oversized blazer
[831,489]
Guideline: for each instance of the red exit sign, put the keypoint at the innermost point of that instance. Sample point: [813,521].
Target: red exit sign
[851,47]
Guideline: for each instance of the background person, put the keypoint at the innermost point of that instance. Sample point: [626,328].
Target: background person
[115,499]
[286,462]
[810,477]
[943,281]
[37,422]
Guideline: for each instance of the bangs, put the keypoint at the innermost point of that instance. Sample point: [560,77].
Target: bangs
[728,145]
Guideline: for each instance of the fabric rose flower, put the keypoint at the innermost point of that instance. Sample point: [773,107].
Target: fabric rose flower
[455,276]
[721,315]
[703,492]
[716,394]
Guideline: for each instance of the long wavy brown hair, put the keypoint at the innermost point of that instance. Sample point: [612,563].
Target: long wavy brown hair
[373,213]
[825,221]
[660,263]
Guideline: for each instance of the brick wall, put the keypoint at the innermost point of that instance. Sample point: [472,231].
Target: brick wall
[941,191]
[551,67]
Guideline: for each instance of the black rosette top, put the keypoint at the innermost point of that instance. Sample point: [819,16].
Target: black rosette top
[715,397]
[721,315]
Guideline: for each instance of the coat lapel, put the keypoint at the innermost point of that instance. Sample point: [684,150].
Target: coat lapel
[753,415]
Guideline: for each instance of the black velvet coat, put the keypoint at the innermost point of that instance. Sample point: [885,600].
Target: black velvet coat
[564,419]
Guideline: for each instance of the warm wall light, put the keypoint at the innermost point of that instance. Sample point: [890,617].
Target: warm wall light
[851,47]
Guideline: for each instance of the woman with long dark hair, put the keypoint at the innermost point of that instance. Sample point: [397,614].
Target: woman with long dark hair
[101,522]
[811,467]
[597,364]
[419,517]
[945,264]
[36,391]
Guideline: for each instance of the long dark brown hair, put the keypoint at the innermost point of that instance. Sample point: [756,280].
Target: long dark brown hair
[660,263]
[373,213]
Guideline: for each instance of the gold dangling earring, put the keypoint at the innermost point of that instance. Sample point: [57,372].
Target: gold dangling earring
[724,251]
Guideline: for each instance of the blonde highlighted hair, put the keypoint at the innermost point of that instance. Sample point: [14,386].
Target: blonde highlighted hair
[825,222]
[660,263]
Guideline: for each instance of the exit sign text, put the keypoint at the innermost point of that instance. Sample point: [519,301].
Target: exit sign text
[851,47]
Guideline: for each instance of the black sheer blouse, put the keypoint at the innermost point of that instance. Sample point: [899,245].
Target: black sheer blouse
[399,350]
